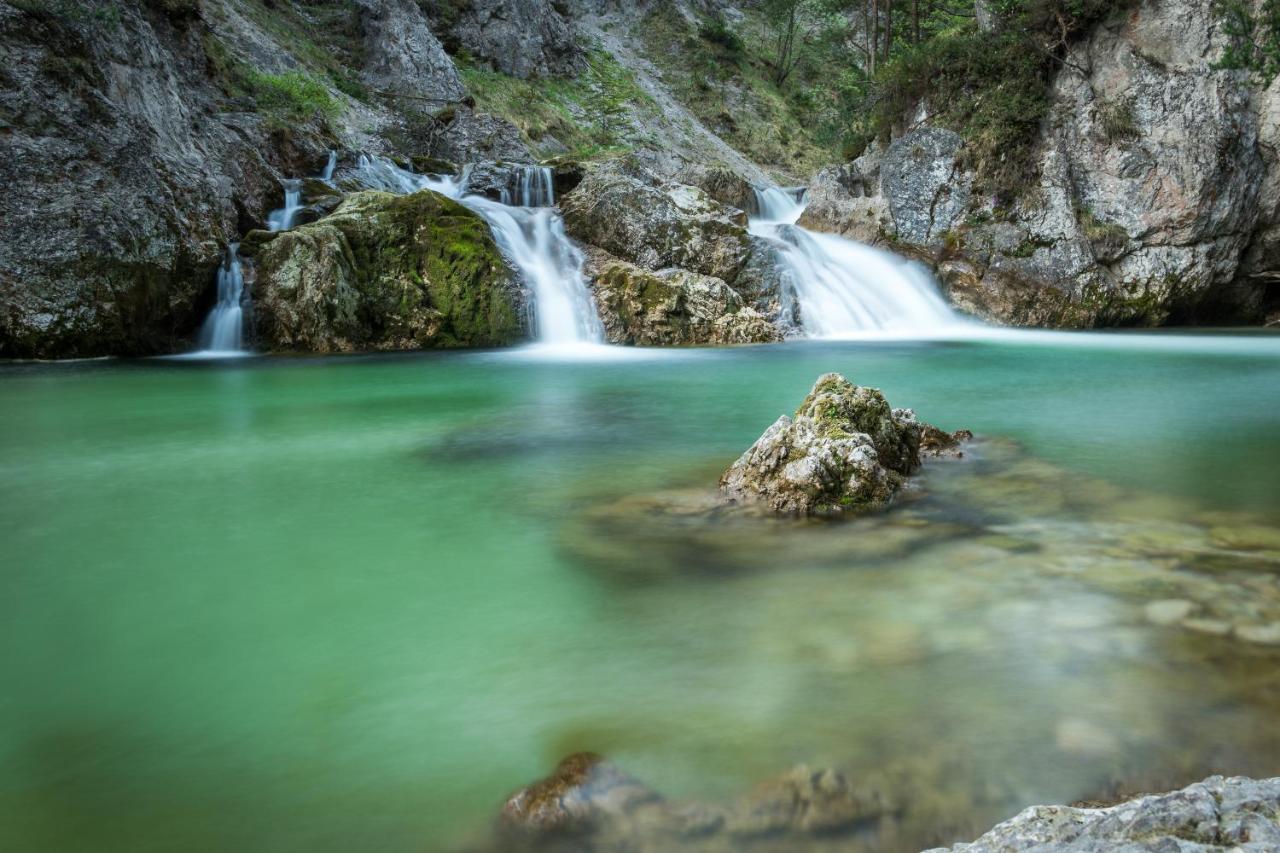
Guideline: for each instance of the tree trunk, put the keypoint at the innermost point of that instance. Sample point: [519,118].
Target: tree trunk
[873,35]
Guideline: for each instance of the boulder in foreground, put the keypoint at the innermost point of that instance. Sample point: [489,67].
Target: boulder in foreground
[1217,814]
[844,450]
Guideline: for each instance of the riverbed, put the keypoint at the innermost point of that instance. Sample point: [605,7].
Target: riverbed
[351,603]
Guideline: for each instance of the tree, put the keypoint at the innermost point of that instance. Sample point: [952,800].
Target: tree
[787,18]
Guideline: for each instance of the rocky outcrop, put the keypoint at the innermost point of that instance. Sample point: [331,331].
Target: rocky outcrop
[403,57]
[523,38]
[125,175]
[657,225]
[844,450]
[671,307]
[1155,201]
[384,272]
[1219,813]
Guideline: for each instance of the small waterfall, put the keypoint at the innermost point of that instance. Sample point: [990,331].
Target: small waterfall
[535,187]
[282,219]
[224,327]
[327,174]
[530,234]
[842,288]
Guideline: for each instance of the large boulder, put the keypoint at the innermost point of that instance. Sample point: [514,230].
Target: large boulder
[927,187]
[671,307]
[657,225]
[1216,814]
[386,272]
[844,450]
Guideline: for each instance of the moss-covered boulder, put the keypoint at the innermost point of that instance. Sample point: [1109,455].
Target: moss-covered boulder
[844,450]
[671,307]
[384,272]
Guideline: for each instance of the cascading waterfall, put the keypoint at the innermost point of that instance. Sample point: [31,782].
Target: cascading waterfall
[842,288]
[223,329]
[530,233]
[327,174]
[282,219]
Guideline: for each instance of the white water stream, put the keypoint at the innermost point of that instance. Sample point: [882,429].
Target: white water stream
[530,233]
[223,328]
[845,289]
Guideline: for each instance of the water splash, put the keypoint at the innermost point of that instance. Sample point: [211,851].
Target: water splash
[327,174]
[530,234]
[845,289]
[223,330]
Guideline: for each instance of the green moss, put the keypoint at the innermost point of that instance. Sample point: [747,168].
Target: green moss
[294,95]
[1117,120]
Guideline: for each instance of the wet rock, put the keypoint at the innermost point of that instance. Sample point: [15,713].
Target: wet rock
[1212,627]
[384,272]
[1253,537]
[1169,611]
[1267,635]
[845,449]
[1210,815]
[671,307]
[581,794]
[802,800]
[656,225]
[935,444]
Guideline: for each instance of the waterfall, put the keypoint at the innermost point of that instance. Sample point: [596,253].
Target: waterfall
[282,219]
[530,234]
[223,328]
[842,288]
[327,174]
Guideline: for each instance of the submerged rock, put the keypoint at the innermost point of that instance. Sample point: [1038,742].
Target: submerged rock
[844,449]
[384,272]
[1215,814]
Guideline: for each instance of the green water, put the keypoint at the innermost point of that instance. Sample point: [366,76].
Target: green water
[341,604]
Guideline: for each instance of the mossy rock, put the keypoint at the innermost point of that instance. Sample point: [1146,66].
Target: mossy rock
[384,272]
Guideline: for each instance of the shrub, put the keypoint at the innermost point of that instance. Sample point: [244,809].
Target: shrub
[293,95]
[1117,121]
[717,32]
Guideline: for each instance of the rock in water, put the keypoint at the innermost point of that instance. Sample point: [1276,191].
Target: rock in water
[844,450]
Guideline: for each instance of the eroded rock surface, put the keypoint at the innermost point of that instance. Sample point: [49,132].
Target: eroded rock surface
[845,449]
[671,307]
[384,272]
[1219,813]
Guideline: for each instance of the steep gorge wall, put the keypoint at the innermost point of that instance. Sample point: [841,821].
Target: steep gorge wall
[1156,201]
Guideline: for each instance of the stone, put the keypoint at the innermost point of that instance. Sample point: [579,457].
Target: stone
[656,225]
[1168,611]
[581,792]
[844,450]
[811,801]
[671,307]
[1267,635]
[403,57]
[1251,537]
[1211,815]
[384,272]
[1212,627]
[927,189]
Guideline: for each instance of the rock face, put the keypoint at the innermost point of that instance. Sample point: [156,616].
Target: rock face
[384,272]
[844,450]
[1216,814]
[523,38]
[403,56]
[1156,202]
[118,172]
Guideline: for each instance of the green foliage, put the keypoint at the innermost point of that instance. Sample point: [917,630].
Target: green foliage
[1253,40]
[991,87]
[717,32]
[294,94]
[1116,118]
[588,114]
